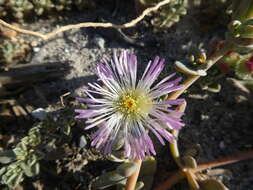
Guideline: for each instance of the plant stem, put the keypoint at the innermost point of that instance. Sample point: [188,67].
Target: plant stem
[224,161]
[174,149]
[187,83]
[132,180]
[173,146]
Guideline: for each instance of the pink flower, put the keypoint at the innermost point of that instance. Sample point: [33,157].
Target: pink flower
[129,108]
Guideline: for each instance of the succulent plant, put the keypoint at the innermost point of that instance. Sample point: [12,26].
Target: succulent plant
[23,159]
[7,156]
[12,51]
[11,175]
[168,15]
[240,32]
[197,57]
[21,9]
[43,141]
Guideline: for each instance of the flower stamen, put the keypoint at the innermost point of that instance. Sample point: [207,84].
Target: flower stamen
[129,104]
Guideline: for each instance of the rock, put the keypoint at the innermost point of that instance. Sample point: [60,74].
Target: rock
[222,145]
[82,142]
[99,41]
[36,49]
[204,117]
[66,50]
[39,113]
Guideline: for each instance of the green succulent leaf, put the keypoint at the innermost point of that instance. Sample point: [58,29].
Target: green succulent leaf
[139,185]
[14,180]
[148,169]
[148,166]
[3,170]
[127,169]
[117,156]
[7,156]
[30,170]
[108,179]
[212,184]
[189,162]
[11,175]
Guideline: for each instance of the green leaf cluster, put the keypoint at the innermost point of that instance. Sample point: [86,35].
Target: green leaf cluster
[169,14]
[23,160]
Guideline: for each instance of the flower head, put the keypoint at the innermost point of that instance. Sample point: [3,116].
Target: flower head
[128,108]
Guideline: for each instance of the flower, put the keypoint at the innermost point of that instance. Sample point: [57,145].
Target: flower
[128,108]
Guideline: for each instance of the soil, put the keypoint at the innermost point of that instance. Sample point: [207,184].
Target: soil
[220,123]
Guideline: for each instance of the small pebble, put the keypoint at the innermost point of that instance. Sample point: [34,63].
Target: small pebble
[92,56]
[82,142]
[66,50]
[39,113]
[34,44]
[36,49]
[99,41]
[222,145]
[204,117]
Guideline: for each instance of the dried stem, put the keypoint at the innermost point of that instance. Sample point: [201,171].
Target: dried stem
[224,161]
[179,175]
[132,180]
[85,24]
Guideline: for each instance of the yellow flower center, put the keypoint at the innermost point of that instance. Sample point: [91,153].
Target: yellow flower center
[129,104]
[134,103]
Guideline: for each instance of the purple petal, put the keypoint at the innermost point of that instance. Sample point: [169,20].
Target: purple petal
[171,102]
[86,113]
[85,100]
